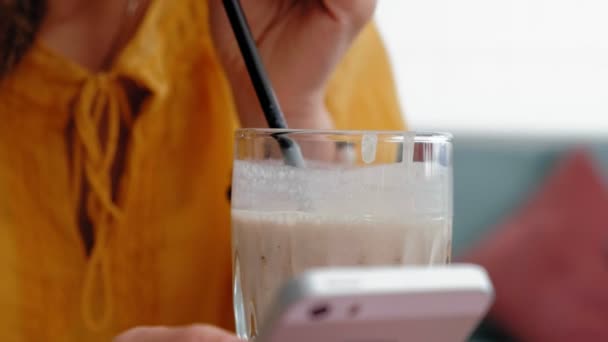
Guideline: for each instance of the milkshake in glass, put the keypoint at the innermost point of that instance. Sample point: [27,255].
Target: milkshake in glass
[363,199]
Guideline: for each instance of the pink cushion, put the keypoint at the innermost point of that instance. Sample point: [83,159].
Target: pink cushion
[549,261]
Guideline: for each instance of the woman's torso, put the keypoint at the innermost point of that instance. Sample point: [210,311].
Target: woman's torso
[161,253]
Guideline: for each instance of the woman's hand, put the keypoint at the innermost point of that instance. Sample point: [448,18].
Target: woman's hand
[195,333]
[301,42]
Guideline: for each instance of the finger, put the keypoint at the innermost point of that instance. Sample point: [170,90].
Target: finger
[204,333]
[148,334]
[195,333]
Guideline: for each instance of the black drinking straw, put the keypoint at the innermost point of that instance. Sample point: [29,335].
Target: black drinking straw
[261,83]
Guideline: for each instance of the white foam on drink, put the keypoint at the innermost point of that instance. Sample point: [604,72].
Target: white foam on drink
[385,190]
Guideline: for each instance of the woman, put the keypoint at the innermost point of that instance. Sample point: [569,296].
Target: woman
[115,151]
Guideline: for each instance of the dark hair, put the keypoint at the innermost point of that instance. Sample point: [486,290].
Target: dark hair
[19,24]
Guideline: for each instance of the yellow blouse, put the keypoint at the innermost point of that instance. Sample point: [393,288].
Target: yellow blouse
[161,252]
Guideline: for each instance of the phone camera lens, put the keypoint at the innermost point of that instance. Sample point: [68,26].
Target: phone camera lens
[353,310]
[320,311]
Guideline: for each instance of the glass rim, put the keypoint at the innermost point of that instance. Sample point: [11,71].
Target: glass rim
[252,133]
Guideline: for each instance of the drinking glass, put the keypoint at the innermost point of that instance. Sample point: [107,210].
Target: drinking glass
[361,198]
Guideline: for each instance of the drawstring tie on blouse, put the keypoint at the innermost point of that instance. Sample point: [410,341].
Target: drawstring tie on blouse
[98,112]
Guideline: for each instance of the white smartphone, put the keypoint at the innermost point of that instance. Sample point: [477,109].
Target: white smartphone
[409,304]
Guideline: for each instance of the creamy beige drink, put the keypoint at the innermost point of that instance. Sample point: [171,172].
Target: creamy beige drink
[385,199]
[272,247]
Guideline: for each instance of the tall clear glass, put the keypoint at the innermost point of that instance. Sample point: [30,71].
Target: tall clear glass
[362,198]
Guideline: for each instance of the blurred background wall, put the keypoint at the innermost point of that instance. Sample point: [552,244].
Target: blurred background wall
[533,67]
